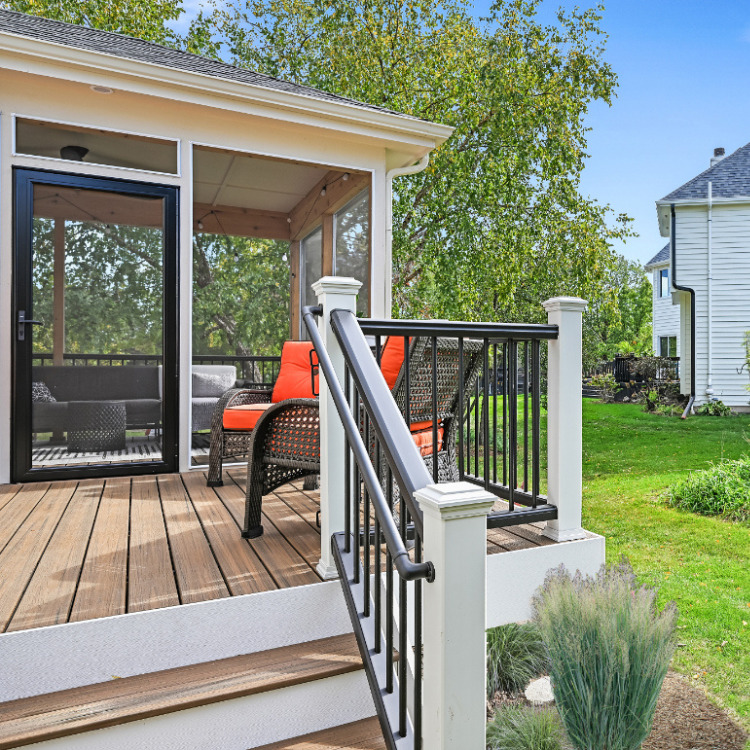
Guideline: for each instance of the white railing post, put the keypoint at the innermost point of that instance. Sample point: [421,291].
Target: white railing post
[564,418]
[334,293]
[455,660]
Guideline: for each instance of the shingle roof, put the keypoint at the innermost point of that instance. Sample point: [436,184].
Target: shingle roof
[661,257]
[119,45]
[730,178]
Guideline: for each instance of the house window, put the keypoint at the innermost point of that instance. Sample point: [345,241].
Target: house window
[664,290]
[667,346]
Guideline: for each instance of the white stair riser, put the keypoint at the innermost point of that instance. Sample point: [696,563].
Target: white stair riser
[60,657]
[237,724]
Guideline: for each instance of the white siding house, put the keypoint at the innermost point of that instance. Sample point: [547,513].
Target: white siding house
[708,261]
[666,314]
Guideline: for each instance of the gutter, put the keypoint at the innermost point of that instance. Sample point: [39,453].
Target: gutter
[679,287]
[389,175]
[710,380]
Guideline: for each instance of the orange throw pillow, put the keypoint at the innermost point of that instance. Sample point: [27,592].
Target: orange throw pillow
[391,359]
[294,375]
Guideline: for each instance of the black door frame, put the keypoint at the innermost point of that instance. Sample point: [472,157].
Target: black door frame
[23,213]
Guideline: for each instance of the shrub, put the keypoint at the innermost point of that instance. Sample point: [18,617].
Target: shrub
[714,408]
[515,656]
[609,650]
[525,728]
[723,490]
[607,385]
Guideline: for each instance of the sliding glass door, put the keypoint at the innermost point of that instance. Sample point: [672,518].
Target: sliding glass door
[95,325]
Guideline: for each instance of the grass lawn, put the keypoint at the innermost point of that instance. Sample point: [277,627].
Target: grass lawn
[701,563]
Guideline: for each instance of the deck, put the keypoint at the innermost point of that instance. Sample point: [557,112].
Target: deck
[80,550]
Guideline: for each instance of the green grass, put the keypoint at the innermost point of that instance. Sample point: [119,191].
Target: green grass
[701,563]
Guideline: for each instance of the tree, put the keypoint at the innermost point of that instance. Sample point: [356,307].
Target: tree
[496,223]
[619,322]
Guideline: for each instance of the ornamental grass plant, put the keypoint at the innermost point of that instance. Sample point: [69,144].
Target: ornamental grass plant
[515,656]
[609,649]
[526,728]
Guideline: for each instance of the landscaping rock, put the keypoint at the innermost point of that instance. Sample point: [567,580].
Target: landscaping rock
[539,692]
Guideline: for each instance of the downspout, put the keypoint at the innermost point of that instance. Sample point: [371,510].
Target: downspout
[673,235]
[710,382]
[389,175]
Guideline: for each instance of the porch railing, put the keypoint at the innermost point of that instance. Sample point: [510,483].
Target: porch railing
[408,536]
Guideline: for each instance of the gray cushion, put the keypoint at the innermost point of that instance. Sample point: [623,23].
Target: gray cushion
[203,409]
[212,380]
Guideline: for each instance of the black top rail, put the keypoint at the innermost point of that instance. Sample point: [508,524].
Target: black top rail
[367,377]
[491,331]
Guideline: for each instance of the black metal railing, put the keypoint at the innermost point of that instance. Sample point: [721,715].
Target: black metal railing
[627,369]
[251,369]
[479,387]
[379,555]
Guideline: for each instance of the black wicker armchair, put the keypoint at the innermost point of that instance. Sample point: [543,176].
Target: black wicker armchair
[285,444]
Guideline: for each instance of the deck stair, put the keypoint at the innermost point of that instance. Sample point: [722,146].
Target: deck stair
[359,735]
[277,690]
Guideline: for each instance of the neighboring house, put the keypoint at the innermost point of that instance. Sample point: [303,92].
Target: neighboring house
[707,266]
[132,612]
[666,316]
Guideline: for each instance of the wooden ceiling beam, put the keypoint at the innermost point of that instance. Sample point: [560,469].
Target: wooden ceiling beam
[338,191]
[240,222]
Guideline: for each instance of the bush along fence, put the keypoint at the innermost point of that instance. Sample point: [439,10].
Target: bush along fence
[409,547]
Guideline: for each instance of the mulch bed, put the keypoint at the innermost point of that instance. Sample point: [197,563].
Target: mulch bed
[685,719]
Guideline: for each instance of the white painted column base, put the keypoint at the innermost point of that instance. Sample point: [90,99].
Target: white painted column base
[455,667]
[563,535]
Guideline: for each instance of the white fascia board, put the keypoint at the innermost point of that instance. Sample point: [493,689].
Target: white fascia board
[654,266]
[96,68]
[663,208]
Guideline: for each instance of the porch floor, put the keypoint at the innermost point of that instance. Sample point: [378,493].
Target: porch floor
[80,550]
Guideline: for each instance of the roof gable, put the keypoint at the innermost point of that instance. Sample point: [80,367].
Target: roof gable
[661,257]
[119,45]
[729,178]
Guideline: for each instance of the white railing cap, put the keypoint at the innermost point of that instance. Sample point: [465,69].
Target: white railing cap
[336,285]
[572,304]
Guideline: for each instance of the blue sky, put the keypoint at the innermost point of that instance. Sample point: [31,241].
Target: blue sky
[684,70]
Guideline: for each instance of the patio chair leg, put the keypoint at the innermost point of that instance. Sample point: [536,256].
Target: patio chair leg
[253,500]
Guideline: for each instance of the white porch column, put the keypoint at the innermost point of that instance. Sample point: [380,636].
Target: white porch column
[455,646]
[564,419]
[334,293]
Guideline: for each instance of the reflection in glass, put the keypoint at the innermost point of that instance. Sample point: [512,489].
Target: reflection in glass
[352,249]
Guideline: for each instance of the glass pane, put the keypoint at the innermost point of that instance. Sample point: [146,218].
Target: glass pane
[352,251]
[311,256]
[97,265]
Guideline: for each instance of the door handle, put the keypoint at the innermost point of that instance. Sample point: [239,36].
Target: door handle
[22,321]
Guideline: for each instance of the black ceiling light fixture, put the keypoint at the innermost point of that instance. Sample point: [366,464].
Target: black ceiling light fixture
[73,153]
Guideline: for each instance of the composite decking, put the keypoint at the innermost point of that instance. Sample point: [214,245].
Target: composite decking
[85,549]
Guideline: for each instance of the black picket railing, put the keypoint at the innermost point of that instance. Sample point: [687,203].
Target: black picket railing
[379,555]
[251,369]
[627,369]
[484,391]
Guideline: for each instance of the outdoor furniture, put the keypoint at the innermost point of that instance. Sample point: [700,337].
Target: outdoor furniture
[285,443]
[238,410]
[96,426]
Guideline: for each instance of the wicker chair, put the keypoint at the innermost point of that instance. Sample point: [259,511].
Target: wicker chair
[285,444]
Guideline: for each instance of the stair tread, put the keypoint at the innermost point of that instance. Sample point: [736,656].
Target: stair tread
[82,709]
[359,735]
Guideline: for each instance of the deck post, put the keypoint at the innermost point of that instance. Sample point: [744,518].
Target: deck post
[564,419]
[455,646]
[334,293]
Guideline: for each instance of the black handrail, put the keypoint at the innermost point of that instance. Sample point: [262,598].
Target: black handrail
[469,330]
[408,570]
[401,454]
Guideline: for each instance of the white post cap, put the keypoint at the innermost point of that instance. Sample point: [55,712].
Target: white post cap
[336,285]
[568,304]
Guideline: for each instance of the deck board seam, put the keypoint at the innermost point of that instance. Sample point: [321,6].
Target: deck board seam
[23,520]
[88,545]
[177,586]
[41,554]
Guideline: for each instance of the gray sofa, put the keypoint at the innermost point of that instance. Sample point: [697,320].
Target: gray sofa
[139,386]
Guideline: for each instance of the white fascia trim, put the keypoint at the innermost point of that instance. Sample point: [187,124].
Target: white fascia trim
[149,78]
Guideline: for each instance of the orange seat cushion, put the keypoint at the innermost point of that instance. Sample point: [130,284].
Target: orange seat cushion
[294,374]
[391,359]
[421,434]
[243,417]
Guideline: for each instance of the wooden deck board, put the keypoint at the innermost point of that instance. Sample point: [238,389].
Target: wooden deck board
[49,595]
[21,556]
[156,542]
[151,582]
[198,576]
[243,571]
[102,589]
